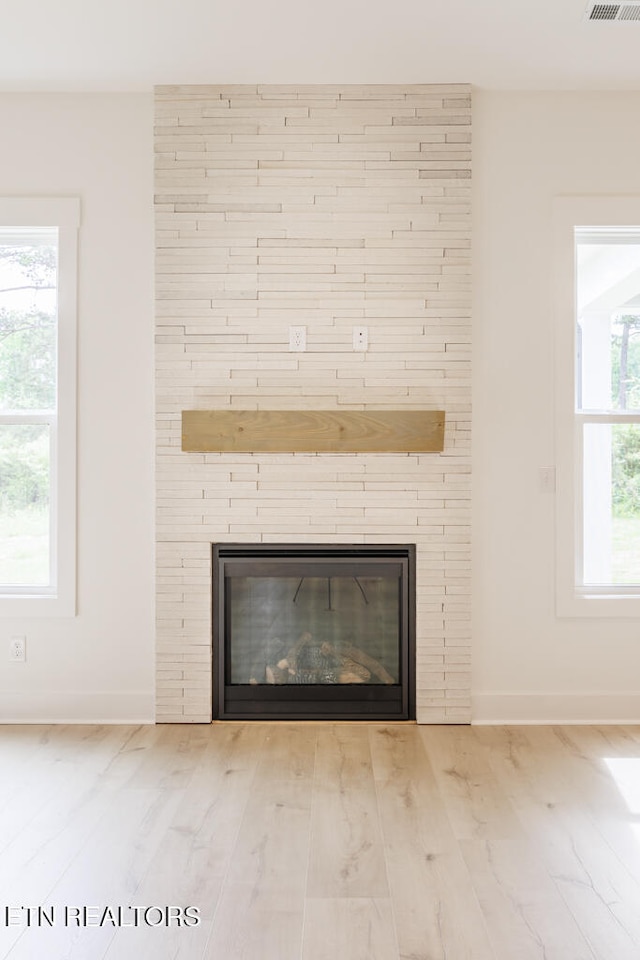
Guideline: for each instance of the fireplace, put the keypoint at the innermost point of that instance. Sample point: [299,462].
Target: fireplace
[314,631]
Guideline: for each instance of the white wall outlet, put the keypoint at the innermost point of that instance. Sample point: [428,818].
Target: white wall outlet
[547,479]
[17,649]
[298,339]
[360,338]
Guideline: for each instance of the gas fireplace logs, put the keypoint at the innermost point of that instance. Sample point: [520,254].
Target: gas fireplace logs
[310,661]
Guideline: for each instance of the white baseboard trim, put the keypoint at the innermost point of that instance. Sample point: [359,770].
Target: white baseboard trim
[73,707]
[548,708]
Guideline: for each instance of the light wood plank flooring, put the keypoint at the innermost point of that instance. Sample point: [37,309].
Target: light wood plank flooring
[318,841]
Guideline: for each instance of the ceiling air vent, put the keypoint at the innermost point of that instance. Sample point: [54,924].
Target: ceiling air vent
[614,11]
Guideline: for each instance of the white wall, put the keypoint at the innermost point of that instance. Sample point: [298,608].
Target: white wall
[98,665]
[527,663]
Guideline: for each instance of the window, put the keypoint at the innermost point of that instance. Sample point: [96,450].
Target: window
[38,253]
[598,405]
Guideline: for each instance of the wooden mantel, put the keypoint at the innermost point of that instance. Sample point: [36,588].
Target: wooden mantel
[313,431]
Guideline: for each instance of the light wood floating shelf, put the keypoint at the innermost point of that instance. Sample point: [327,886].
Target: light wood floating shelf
[313,431]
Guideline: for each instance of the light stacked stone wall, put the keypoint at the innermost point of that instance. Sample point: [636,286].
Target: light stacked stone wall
[328,207]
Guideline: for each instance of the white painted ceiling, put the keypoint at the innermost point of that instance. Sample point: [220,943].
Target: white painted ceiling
[90,45]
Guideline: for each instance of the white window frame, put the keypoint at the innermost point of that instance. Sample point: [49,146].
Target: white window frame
[60,598]
[572,598]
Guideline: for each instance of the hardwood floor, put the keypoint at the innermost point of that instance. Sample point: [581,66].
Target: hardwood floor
[320,841]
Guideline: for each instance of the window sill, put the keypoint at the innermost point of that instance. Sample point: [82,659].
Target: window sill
[21,606]
[612,606]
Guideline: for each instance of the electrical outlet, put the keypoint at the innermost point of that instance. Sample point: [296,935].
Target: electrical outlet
[547,479]
[360,338]
[298,339]
[17,649]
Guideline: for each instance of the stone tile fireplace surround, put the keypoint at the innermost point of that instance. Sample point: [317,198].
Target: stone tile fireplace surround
[328,207]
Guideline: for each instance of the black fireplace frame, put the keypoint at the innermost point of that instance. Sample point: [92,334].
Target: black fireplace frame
[314,701]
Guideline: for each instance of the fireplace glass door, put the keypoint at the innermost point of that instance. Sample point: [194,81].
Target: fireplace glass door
[312,632]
